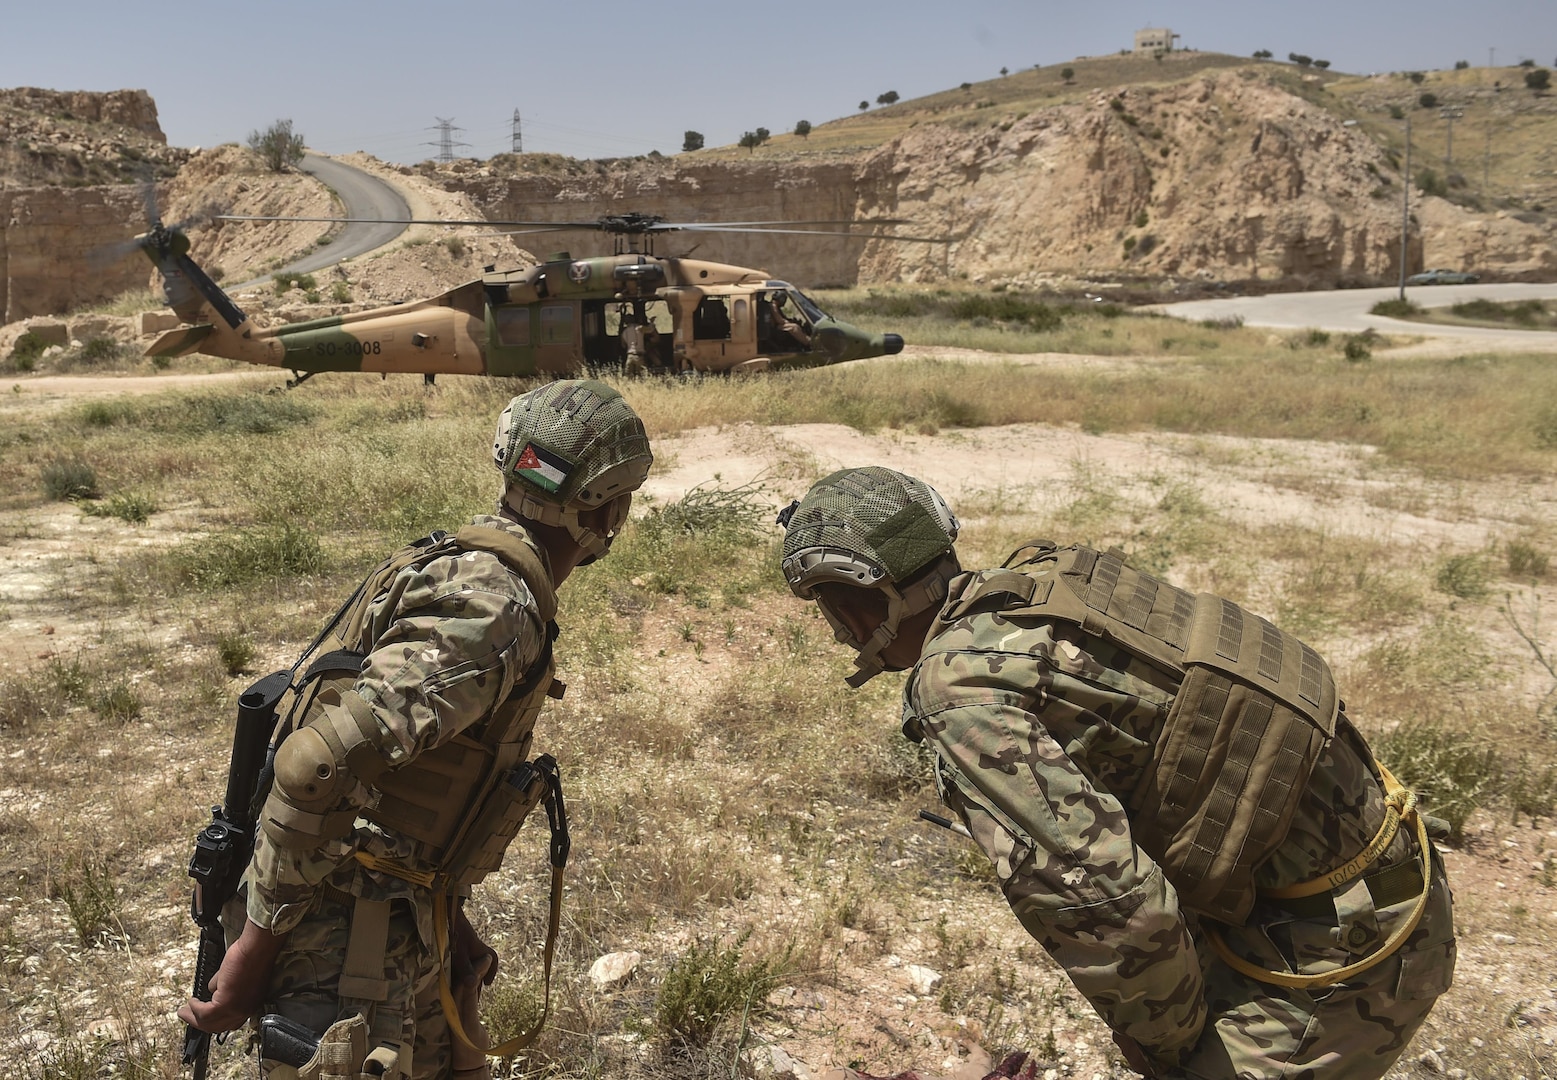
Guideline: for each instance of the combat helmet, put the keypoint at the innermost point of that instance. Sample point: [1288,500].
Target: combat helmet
[568,448]
[877,529]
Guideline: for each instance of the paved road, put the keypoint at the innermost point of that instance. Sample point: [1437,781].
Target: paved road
[364,196]
[1346,311]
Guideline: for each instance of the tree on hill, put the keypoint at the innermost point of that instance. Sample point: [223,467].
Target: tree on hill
[750,141]
[803,128]
[1527,63]
[1461,65]
[1004,72]
[1321,64]
[278,145]
[969,86]
[1262,54]
[691,140]
[1538,79]
[1428,100]
[1068,74]
[1416,77]
[864,105]
[1299,59]
[886,99]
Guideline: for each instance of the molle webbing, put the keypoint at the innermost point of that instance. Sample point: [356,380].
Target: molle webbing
[1252,715]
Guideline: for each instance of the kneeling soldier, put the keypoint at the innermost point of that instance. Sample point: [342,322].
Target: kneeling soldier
[400,773]
[1175,803]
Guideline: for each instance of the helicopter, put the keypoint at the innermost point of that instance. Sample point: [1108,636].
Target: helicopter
[632,309]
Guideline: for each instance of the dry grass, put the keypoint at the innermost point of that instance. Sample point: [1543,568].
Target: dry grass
[728,792]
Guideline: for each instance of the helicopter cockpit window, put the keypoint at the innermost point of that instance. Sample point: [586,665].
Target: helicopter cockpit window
[807,305]
[711,319]
[513,325]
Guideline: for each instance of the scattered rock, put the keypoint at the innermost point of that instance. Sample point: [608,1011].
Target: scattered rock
[1431,1060]
[1503,939]
[772,1063]
[922,980]
[613,968]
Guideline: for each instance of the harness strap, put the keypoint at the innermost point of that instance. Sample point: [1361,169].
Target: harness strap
[561,845]
[362,976]
[1402,807]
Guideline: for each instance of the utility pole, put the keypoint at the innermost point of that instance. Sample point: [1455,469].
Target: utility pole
[1405,208]
[518,135]
[1451,113]
[446,141]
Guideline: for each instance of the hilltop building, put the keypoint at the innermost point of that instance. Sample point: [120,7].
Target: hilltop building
[1155,39]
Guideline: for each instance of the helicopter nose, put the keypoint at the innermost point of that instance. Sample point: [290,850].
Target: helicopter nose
[893,343]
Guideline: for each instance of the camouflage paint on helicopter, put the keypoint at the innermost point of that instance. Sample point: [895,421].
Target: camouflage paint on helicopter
[559,317]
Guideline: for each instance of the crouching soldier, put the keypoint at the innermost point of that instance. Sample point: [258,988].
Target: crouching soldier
[1175,803]
[401,767]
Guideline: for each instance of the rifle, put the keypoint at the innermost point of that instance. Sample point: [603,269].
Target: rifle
[223,848]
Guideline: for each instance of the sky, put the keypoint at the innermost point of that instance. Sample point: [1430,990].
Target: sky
[606,78]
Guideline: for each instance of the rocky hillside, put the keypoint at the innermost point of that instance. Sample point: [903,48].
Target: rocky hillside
[1229,174]
[77,138]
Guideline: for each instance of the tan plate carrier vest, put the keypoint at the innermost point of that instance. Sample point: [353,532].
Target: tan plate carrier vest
[1253,713]
[465,799]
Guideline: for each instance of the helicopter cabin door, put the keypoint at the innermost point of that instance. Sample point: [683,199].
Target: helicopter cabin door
[511,339]
[560,348]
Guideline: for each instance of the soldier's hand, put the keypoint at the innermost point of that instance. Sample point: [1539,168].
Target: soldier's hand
[238,987]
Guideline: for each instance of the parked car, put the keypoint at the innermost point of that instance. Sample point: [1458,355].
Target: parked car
[1443,277]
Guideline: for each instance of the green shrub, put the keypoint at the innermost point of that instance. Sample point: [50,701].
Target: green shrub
[117,702]
[131,507]
[69,479]
[455,246]
[1357,347]
[284,281]
[1524,560]
[1453,771]
[340,292]
[87,887]
[27,351]
[1396,309]
[706,984]
[235,651]
[1463,576]
[248,556]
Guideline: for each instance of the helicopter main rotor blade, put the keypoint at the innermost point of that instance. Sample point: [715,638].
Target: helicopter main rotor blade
[820,232]
[842,221]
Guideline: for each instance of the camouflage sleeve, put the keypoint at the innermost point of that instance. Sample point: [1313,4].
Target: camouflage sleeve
[1059,839]
[451,640]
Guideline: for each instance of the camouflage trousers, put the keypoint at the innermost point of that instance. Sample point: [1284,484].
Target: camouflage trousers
[1351,1031]
[304,981]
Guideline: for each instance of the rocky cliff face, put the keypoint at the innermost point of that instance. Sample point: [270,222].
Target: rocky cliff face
[1223,176]
[72,165]
[51,242]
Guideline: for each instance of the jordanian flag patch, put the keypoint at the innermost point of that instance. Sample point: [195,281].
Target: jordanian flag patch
[544,469]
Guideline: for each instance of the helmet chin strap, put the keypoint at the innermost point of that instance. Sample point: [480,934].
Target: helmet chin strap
[926,593]
[868,663]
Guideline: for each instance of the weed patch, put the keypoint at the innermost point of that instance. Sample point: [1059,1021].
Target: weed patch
[708,984]
[69,479]
[248,556]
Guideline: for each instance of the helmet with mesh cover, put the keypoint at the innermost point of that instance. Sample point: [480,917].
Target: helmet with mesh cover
[568,448]
[871,528]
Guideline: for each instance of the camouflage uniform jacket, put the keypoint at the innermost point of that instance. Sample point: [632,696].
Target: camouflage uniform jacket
[1042,732]
[449,641]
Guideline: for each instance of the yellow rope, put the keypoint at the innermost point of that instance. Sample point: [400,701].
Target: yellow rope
[441,933]
[1402,807]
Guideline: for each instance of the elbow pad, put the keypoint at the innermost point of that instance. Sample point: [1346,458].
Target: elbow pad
[322,773]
